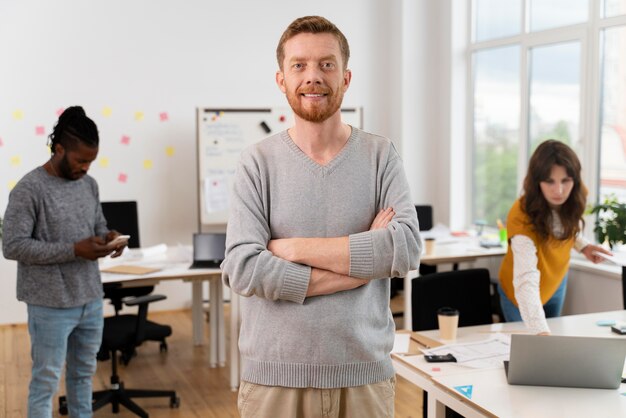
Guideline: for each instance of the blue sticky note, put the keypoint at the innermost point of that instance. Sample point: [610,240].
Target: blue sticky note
[605,322]
[465,390]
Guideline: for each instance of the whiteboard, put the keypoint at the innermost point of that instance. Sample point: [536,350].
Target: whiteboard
[221,136]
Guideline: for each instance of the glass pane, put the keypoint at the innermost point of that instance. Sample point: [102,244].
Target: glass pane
[547,14]
[554,94]
[496,19]
[496,132]
[613,127]
[613,8]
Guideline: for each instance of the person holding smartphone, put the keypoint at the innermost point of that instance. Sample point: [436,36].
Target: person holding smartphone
[55,229]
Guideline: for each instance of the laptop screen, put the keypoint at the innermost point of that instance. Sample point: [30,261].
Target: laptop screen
[209,247]
[586,362]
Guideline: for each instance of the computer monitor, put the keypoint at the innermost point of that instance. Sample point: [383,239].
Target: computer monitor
[123,217]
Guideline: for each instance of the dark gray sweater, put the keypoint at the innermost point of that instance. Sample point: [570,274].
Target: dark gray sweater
[46,215]
[332,341]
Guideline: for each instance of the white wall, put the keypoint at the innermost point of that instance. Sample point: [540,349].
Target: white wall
[155,56]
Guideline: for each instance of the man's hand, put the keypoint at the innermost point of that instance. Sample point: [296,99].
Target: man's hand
[119,249]
[589,251]
[91,248]
[382,219]
[332,254]
[286,248]
[324,282]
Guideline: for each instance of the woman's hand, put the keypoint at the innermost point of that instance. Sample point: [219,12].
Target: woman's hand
[589,251]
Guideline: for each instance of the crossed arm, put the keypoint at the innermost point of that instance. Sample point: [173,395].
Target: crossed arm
[329,258]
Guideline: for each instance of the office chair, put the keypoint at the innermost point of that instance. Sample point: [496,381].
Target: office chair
[123,217]
[466,290]
[122,333]
[425,219]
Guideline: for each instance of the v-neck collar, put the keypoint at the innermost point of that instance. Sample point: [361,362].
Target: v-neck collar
[315,167]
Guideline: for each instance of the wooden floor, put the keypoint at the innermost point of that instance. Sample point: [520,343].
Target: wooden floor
[204,391]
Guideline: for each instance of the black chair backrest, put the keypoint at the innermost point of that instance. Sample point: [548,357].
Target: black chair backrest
[123,217]
[466,290]
[424,216]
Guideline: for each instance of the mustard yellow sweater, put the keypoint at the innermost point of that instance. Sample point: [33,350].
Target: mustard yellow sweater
[553,256]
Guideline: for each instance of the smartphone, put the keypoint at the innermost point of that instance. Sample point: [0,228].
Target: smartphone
[447,358]
[120,239]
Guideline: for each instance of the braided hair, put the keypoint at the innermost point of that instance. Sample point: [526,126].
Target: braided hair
[72,127]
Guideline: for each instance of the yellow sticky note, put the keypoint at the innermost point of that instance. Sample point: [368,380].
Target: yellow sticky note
[107,111]
[18,114]
[169,151]
[103,162]
[147,164]
[16,160]
[138,115]
[11,184]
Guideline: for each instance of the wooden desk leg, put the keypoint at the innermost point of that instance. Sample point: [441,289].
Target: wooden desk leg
[218,290]
[234,341]
[214,322]
[196,312]
[436,409]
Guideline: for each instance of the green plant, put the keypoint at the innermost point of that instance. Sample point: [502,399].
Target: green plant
[610,222]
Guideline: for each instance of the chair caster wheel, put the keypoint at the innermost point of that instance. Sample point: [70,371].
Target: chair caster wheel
[175,402]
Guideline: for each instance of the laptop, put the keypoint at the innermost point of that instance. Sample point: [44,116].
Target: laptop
[208,250]
[579,362]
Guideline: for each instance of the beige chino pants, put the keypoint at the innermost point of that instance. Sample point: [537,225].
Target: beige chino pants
[368,401]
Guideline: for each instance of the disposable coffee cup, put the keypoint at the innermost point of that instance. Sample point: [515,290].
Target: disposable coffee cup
[448,319]
[429,243]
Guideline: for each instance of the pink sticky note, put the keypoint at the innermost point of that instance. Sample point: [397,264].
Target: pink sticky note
[60,111]
[163,116]
[125,139]
[122,178]
[40,130]
[436,369]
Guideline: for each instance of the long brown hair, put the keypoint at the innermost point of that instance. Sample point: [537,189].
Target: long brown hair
[547,155]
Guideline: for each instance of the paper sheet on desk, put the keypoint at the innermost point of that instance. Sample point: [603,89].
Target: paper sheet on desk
[401,343]
[478,355]
[619,259]
[440,233]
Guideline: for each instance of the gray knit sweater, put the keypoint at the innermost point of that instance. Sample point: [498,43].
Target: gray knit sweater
[46,215]
[332,341]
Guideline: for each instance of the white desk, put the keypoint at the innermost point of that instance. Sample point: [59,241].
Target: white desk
[492,396]
[174,265]
[461,250]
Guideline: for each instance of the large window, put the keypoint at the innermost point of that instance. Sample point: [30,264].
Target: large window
[554,93]
[613,127]
[496,130]
[556,71]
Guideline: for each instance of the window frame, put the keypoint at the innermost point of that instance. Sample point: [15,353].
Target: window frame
[590,117]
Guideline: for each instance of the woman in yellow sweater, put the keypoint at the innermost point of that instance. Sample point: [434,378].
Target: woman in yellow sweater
[543,226]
